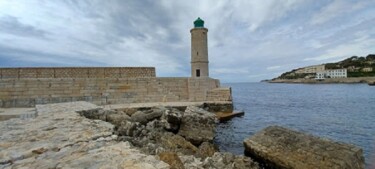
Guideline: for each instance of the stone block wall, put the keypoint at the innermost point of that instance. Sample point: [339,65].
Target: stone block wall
[219,94]
[25,87]
[198,87]
[77,72]
[26,92]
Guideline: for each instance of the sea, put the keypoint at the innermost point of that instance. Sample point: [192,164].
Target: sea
[341,112]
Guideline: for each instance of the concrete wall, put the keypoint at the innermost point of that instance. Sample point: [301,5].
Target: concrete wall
[26,92]
[77,72]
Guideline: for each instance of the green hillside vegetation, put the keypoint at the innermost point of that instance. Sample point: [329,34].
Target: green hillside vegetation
[356,67]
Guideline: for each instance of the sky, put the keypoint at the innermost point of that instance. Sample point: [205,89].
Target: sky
[247,40]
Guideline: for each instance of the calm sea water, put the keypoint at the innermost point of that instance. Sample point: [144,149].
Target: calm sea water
[342,112]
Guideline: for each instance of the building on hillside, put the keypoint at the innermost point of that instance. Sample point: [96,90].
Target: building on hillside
[367,69]
[314,69]
[300,70]
[311,69]
[332,73]
[353,69]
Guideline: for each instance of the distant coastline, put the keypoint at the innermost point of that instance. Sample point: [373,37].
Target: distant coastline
[326,81]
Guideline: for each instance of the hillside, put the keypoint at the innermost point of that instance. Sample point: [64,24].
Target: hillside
[356,67]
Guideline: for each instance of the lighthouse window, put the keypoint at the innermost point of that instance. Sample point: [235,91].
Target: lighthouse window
[198,72]
[197,53]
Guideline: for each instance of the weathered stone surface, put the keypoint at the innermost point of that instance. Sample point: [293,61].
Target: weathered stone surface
[225,116]
[229,161]
[155,113]
[219,106]
[283,148]
[172,119]
[219,160]
[144,117]
[118,118]
[175,143]
[207,149]
[172,159]
[139,117]
[60,138]
[129,128]
[197,125]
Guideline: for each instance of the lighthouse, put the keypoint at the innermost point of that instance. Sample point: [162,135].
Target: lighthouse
[199,51]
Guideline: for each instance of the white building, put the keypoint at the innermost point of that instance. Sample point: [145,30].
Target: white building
[332,73]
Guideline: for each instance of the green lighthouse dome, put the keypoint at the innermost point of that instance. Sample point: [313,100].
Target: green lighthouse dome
[199,23]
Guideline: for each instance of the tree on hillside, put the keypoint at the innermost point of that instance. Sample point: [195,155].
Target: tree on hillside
[370,57]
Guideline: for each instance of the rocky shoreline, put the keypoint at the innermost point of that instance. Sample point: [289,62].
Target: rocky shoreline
[83,135]
[326,81]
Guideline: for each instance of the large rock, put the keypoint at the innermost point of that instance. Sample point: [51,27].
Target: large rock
[197,125]
[172,159]
[118,118]
[175,143]
[144,117]
[279,147]
[139,117]
[60,138]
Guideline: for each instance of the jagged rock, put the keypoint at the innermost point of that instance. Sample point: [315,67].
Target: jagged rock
[97,113]
[197,125]
[243,162]
[171,120]
[146,116]
[117,119]
[139,117]
[155,126]
[175,143]
[207,149]
[129,111]
[172,159]
[280,147]
[190,162]
[229,161]
[155,114]
[129,128]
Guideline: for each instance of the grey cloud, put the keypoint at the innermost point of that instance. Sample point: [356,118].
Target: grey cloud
[245,37]
[11,25]
[29,58]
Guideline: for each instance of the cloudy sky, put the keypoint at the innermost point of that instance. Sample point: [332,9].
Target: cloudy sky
[248,40]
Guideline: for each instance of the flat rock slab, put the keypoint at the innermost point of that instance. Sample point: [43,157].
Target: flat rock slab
[60,138]
[224,116]
[278,147]
[9,113]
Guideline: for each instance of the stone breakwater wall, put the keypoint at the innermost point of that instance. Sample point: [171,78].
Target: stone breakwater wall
[77,72]
[27,92]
